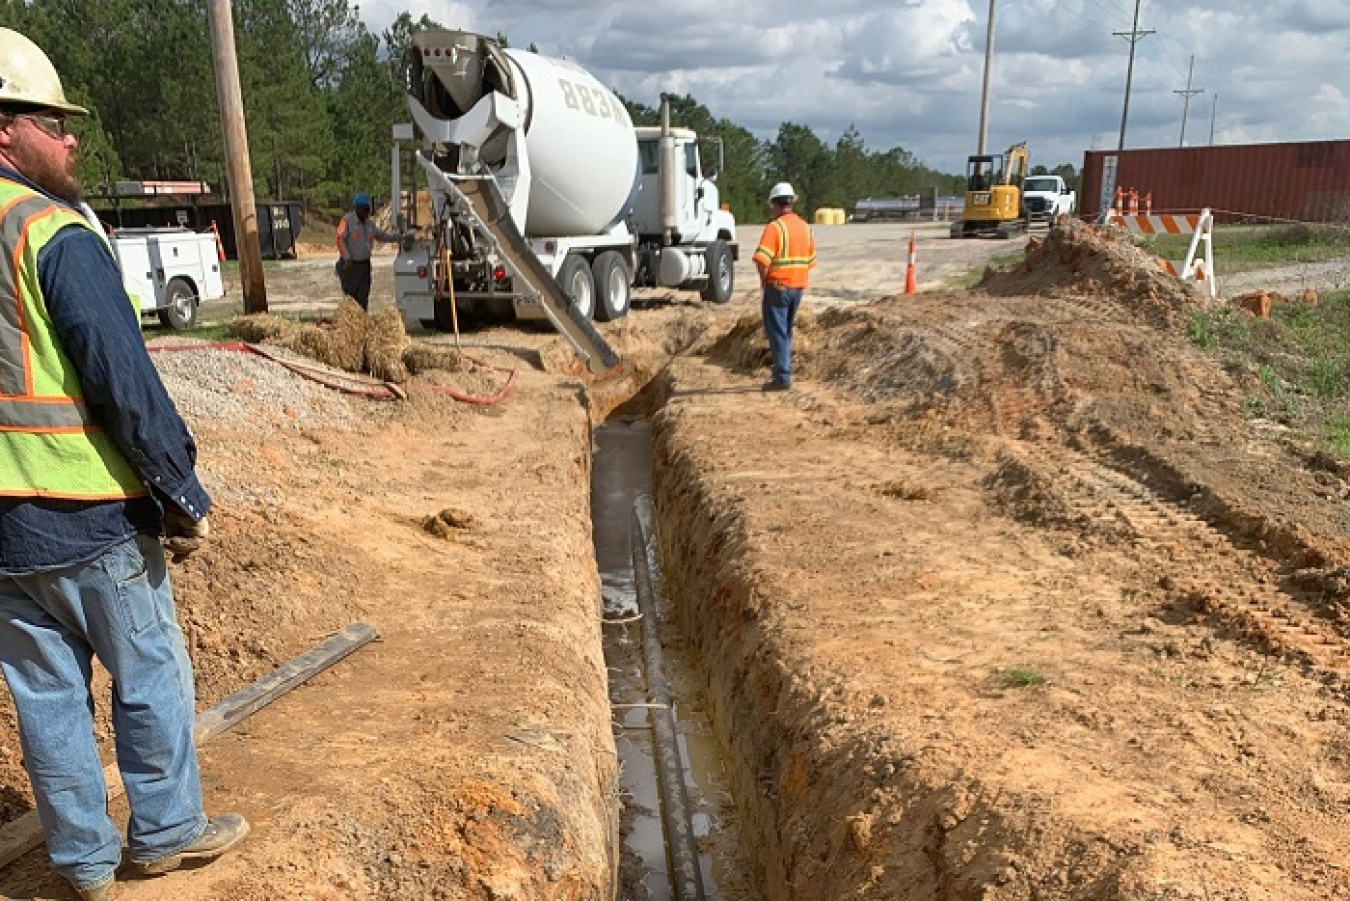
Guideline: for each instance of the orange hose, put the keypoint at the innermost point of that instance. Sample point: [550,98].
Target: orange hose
[376,392]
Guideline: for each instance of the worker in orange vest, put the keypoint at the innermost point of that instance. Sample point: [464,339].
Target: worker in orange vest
[785,257]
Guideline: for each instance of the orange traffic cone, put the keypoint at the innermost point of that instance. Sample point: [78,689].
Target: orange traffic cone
[911,277]
[220,245]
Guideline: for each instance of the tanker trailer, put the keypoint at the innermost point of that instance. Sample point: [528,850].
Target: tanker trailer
[538,182]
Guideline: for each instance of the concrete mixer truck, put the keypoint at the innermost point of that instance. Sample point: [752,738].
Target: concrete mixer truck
[546,201]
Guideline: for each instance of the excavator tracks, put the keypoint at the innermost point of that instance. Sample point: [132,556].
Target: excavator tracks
[1244,593]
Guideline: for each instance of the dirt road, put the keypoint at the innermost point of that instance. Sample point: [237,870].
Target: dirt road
[1005,600]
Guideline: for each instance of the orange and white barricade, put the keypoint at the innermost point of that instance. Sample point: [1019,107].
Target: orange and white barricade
[1200,226]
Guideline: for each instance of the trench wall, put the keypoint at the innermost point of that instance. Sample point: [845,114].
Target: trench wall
[836,805]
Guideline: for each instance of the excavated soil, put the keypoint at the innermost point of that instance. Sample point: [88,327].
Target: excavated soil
[1005,600]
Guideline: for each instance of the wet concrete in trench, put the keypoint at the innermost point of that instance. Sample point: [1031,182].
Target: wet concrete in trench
[622,472]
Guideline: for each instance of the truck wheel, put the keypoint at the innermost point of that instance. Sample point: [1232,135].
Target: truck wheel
[578,284]
[181,313]
[721,273]
[613,286]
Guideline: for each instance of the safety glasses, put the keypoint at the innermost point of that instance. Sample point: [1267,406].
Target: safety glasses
[54,126]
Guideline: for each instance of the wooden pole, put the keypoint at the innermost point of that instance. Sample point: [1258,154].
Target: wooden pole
[236,156]
[984,96]
[22,835]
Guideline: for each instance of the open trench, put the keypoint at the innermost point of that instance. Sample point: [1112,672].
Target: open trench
[679,827]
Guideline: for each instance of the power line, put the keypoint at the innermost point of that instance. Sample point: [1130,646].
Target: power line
[1187,95]
[1134,36]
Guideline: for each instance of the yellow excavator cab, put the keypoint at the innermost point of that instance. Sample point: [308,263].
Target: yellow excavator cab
[994,194]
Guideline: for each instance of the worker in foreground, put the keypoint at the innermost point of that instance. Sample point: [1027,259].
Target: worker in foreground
[785,257]
[95,463]
[356,237]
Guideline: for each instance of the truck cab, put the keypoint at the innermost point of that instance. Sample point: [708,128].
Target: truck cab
[678,206]
[1048,197]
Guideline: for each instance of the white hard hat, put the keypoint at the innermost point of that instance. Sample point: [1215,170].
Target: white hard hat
[27,77]
[782,191]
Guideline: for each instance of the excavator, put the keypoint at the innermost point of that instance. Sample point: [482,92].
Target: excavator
[994,204]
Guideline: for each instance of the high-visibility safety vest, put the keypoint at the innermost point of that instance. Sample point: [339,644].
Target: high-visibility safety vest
[788,251]
[50,444]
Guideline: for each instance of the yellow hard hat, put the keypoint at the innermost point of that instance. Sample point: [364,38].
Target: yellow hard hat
[27,77]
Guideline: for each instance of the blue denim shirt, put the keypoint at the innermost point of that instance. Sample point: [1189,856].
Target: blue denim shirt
[101,334]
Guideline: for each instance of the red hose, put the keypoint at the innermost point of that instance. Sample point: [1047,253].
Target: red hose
[381,392]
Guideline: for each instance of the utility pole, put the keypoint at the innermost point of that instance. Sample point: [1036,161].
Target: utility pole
[984,99]
[236,155]
[1213,114]
[1187,94]
[1134,36]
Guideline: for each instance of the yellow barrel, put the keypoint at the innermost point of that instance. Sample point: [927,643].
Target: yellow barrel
[822,216]
[837,217]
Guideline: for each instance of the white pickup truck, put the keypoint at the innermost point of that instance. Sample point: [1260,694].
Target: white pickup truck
[1047,197]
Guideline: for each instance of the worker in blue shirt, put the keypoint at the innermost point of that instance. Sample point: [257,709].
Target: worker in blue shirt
[95,465]
[356,237]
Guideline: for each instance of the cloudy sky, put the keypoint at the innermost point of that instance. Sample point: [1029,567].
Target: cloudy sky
[908,72]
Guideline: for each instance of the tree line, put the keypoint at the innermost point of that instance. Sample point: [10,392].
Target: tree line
[322,92]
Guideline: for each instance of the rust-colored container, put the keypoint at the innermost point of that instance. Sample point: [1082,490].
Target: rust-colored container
[1306,181]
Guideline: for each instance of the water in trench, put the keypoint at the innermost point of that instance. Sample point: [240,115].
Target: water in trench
[622,472]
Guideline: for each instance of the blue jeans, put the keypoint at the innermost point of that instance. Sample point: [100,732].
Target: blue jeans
[120,608]
[780,312]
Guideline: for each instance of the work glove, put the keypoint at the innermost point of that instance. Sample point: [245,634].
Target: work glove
[183,534]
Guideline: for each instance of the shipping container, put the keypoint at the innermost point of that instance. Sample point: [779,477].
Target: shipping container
[1304,182]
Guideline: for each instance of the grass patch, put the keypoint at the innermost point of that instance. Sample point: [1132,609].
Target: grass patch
[1244,248]
[1018,677]
[972,276]
[1295,366]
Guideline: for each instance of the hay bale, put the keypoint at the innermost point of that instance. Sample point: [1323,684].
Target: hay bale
[348,345]
[258,328]
[317,344]
[421,358]
[386,341]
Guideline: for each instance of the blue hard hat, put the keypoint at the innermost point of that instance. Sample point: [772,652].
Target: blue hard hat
[361,200]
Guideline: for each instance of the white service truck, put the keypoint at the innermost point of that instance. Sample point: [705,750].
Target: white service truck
[1048,197]
[547,202]
[169,271]
[166,271]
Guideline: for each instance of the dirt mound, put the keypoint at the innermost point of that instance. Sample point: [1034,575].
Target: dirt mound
[744,346]
[1104,262]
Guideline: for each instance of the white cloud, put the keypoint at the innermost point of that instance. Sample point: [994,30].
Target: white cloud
[908,72]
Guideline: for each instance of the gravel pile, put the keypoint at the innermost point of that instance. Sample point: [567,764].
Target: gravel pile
[240,390]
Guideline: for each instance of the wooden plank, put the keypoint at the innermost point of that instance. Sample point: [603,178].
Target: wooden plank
[22,835]
[244,702]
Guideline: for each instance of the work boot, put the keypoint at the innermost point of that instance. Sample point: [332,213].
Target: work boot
[222,833]
[103,893]
[775,385]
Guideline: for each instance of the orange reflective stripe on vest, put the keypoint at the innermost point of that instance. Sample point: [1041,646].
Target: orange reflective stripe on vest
[50,444]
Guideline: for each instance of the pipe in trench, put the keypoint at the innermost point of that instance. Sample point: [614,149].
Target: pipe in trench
[682,847]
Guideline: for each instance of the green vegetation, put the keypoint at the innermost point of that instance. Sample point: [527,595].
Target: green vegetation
[1243,248]
[971,277]
[1019,677]
[322,92]
[1296,364]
